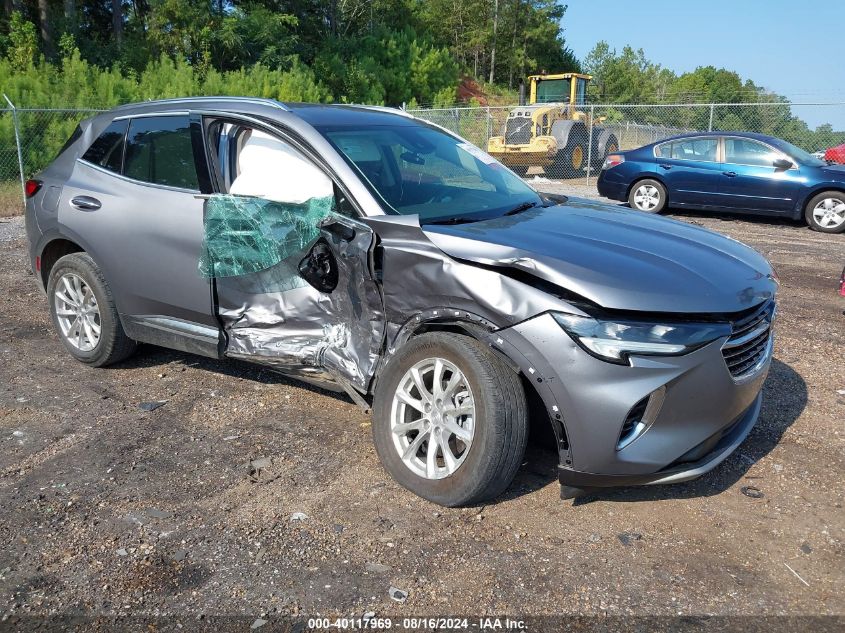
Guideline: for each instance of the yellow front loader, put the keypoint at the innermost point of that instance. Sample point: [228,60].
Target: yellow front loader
[552,130]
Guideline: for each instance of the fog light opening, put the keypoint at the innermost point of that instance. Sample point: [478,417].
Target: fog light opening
[640,417]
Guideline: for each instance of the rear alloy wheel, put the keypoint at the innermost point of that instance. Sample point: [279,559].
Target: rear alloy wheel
[450,419]
[77,312]
[648,196]
[84,313]
[826,212]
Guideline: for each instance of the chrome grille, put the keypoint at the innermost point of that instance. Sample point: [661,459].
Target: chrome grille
[518,130]
[749,342]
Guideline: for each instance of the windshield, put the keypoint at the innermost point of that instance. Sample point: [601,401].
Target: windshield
[420,170]
[553,90]
[805,158]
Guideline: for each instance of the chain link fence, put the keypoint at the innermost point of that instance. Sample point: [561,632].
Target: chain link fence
[559,141]
[29,139]
[555,142]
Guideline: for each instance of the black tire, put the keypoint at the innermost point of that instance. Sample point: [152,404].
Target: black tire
[610,147]
[838,197]
[605,145]
[501,421]
[113,344]
[661,196]
[520,171]
[571,161]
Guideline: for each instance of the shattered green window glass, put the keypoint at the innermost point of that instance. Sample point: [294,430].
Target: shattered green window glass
[245,235]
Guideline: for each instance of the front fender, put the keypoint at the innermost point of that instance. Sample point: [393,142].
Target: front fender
[801,203]
[509,345]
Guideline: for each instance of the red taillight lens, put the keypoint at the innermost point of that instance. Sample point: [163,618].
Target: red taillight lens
[31,187]
[613,160]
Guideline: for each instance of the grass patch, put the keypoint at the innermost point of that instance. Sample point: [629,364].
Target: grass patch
[11,198]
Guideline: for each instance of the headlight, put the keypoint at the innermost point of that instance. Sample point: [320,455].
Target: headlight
[615,340]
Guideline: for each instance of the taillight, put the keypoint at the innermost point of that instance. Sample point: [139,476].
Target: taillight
[842,283]
[613,160]
[31,187]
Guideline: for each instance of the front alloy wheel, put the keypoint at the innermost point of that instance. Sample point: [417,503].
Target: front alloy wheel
[432,418]
[828,213]
[450,419]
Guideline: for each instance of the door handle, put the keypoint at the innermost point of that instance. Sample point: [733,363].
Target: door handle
[85,203]
[729,174]
[665,166]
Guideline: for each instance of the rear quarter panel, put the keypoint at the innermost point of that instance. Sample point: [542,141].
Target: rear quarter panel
[621,177]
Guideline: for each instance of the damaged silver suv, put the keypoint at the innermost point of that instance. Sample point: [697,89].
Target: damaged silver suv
[365,250]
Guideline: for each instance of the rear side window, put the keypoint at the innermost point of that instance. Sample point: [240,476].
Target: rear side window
[159,151]
[107,150]
[700,149]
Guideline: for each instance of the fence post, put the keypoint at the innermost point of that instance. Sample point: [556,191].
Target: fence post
[710,126]
[17,144]
[489,129]
[590,143]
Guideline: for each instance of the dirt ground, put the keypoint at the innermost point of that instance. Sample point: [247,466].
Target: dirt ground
[106,508]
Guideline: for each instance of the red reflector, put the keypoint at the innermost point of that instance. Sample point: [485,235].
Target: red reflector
[38,263]
[31,187]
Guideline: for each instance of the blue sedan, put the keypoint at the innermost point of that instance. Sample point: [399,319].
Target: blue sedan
[729,171]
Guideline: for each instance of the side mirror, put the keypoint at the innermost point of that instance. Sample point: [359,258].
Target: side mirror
[554,198]
[782,163]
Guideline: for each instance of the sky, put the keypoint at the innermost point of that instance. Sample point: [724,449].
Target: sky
[792,48]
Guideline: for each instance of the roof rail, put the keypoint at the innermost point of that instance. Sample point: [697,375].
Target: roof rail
[379,108]
[257,100]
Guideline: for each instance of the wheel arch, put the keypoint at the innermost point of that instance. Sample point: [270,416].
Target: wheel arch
[466,323]
[53,246]
[52,252]
[822,188]
[640,177]
[603,134]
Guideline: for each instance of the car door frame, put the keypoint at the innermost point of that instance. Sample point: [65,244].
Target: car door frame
[763,205]
[329,372]
[683,171]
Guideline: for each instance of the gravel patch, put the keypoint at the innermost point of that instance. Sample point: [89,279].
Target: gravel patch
[11,228]
[251,495]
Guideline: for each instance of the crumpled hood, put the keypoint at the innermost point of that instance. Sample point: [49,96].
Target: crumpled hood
[617,258]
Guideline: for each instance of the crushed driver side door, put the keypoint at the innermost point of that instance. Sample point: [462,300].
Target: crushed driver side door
[294,287]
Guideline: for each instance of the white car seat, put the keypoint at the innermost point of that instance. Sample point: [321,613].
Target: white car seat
[271,169]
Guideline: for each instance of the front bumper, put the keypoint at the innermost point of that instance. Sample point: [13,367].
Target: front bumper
[727,441]
[539,151]
[705,412]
